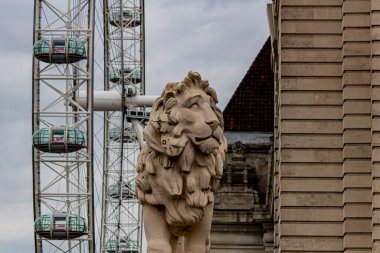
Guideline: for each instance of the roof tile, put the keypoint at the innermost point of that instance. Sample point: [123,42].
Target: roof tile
[251,107]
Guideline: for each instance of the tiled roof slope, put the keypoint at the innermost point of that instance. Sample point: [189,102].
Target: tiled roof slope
[251,107]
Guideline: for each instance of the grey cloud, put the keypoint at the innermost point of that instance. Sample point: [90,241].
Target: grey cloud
[218,39]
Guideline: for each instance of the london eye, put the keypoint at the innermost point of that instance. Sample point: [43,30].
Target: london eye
[85,149]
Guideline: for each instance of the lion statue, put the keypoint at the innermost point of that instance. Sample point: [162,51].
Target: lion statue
[180,166]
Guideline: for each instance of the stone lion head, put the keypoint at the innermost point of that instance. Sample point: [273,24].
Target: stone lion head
[182,162]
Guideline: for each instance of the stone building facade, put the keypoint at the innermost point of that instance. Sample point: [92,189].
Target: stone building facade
[326,60]
[243,211]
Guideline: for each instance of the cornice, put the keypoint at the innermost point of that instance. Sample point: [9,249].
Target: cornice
[232,228]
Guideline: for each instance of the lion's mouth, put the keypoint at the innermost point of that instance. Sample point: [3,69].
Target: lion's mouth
[216,135]
[208,144]
[200,139]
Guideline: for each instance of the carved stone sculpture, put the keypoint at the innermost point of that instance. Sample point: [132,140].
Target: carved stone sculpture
[180,166]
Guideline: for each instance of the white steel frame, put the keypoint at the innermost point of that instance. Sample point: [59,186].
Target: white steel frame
[124,47]
[64,182]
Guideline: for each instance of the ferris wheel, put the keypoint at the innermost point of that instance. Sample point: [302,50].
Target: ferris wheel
[73,211]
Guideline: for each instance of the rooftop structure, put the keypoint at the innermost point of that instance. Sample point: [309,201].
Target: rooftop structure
[251,108]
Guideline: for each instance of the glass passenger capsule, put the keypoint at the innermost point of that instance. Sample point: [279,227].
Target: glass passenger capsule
[128,190]
[128,136]
[128,18]
[130,75]
[59,50]
[126,246]
[60,226]
[137,114]
[59,139]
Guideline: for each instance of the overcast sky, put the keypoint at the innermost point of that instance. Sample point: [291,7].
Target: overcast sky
[217,38]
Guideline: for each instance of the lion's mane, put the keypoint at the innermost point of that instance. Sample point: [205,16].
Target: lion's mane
[175,175]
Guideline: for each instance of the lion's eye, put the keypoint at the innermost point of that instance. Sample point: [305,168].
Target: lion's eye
[194,107]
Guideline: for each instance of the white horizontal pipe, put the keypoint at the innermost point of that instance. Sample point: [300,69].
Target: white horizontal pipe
[111,100]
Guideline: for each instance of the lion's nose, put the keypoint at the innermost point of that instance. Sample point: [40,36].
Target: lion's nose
[213,124]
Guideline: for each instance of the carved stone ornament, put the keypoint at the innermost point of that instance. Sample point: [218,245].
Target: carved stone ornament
[180,166]
[238,149]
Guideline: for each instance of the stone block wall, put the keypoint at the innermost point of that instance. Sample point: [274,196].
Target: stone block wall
[326,61]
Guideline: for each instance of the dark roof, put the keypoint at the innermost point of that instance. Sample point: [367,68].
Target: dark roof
[251,107]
